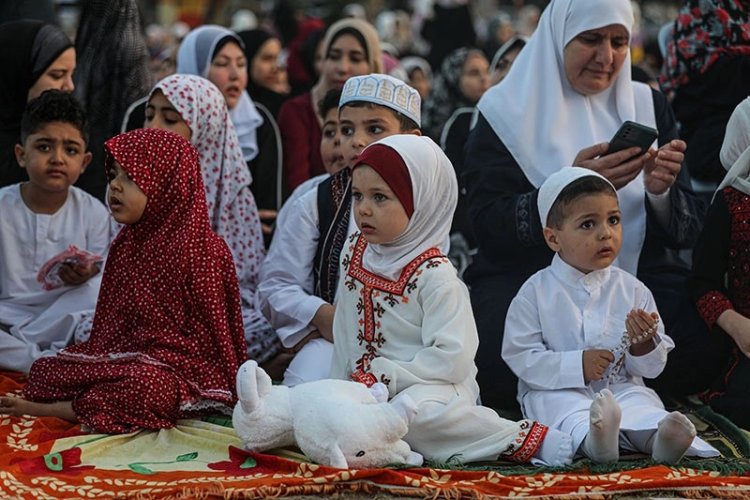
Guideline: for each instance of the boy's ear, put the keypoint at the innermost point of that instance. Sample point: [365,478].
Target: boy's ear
[416,131]
[86,160]
[550,236]
[20,155]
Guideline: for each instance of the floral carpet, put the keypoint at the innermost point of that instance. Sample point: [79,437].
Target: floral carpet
[50,458]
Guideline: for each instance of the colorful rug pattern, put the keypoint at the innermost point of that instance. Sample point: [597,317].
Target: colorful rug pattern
[49,458]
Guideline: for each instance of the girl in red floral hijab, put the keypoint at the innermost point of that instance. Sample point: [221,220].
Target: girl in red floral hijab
[167,338]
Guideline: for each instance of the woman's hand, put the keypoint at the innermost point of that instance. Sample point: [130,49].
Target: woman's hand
[619,168]
[737,326]
[660,171]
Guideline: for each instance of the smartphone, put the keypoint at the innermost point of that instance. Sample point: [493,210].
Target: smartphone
[632,134]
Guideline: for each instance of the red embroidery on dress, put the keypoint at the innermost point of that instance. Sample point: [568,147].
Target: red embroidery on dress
[370,334]
[529,439]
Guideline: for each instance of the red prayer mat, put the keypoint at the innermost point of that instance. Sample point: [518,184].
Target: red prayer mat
[50,458]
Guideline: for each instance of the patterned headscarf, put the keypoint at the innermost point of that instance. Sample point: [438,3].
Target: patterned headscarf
[232,212]
[446,96]
[704,31]
[169,292]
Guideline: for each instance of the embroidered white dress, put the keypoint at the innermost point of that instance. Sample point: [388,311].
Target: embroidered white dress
[37,322]
[556,315]
[417,335]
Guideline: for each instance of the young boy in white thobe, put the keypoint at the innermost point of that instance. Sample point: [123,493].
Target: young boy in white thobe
[40,219]
[299,275]
[404,318]
[581,334]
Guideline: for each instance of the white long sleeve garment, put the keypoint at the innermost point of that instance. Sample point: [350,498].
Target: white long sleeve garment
[40,322]
[558,314]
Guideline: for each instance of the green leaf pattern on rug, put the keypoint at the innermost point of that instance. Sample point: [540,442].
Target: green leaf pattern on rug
[249,463]
[140,467]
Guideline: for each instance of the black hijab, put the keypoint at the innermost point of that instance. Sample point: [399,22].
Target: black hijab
[254,40]
[29,47]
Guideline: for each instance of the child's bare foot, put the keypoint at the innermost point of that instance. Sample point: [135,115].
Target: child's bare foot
[18,406]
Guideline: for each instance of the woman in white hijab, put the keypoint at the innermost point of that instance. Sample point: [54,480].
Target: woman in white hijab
[566,95]
[719,282]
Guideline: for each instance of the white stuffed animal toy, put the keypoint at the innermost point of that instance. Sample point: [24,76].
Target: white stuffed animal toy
[338,423]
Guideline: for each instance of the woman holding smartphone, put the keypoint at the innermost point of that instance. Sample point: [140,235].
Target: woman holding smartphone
[527,132]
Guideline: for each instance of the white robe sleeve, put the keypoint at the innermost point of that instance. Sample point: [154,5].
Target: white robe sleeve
[285,291]
[449,336]
[526,353]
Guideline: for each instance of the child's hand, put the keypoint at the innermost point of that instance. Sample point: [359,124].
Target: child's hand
[595,363]
[641,327]
[323,321]
[267,220]
[74,275]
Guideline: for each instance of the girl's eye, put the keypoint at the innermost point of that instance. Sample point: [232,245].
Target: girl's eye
[329,134]
[43,148]
[614,220]
[376,129]
[347,131]
[587,224]
[357,196]
[380,197]
[72,151]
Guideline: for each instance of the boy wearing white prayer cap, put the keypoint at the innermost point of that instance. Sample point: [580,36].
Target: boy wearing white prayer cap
[582,333]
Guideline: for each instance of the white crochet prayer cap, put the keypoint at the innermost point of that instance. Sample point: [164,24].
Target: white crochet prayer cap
[554,185]
[384,90]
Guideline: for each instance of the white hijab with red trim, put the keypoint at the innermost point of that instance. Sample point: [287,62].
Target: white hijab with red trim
[435,192]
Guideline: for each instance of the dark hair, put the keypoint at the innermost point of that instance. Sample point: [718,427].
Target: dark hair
[224,41]
[405,123]
[330,101]
[53,106]
[308,51]
[580,187]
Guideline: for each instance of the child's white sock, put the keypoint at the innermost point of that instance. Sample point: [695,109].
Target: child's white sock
[674,436]
[602,443]
[556,449]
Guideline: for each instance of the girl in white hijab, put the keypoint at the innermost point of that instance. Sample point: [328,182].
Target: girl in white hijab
[566,95]
[196,56]
[719,281]
[403,316]
[226,178]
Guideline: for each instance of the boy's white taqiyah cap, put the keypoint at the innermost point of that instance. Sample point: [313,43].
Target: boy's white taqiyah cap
[555,183]
[384,90]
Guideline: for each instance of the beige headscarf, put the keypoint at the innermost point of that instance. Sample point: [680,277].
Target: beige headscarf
[372,42]
[735,151]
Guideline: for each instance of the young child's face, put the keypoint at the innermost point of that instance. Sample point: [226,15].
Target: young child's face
[591,234]
[126,200]
[54,157]
[361,126]
[330,143]
[161,114]
[377,211]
